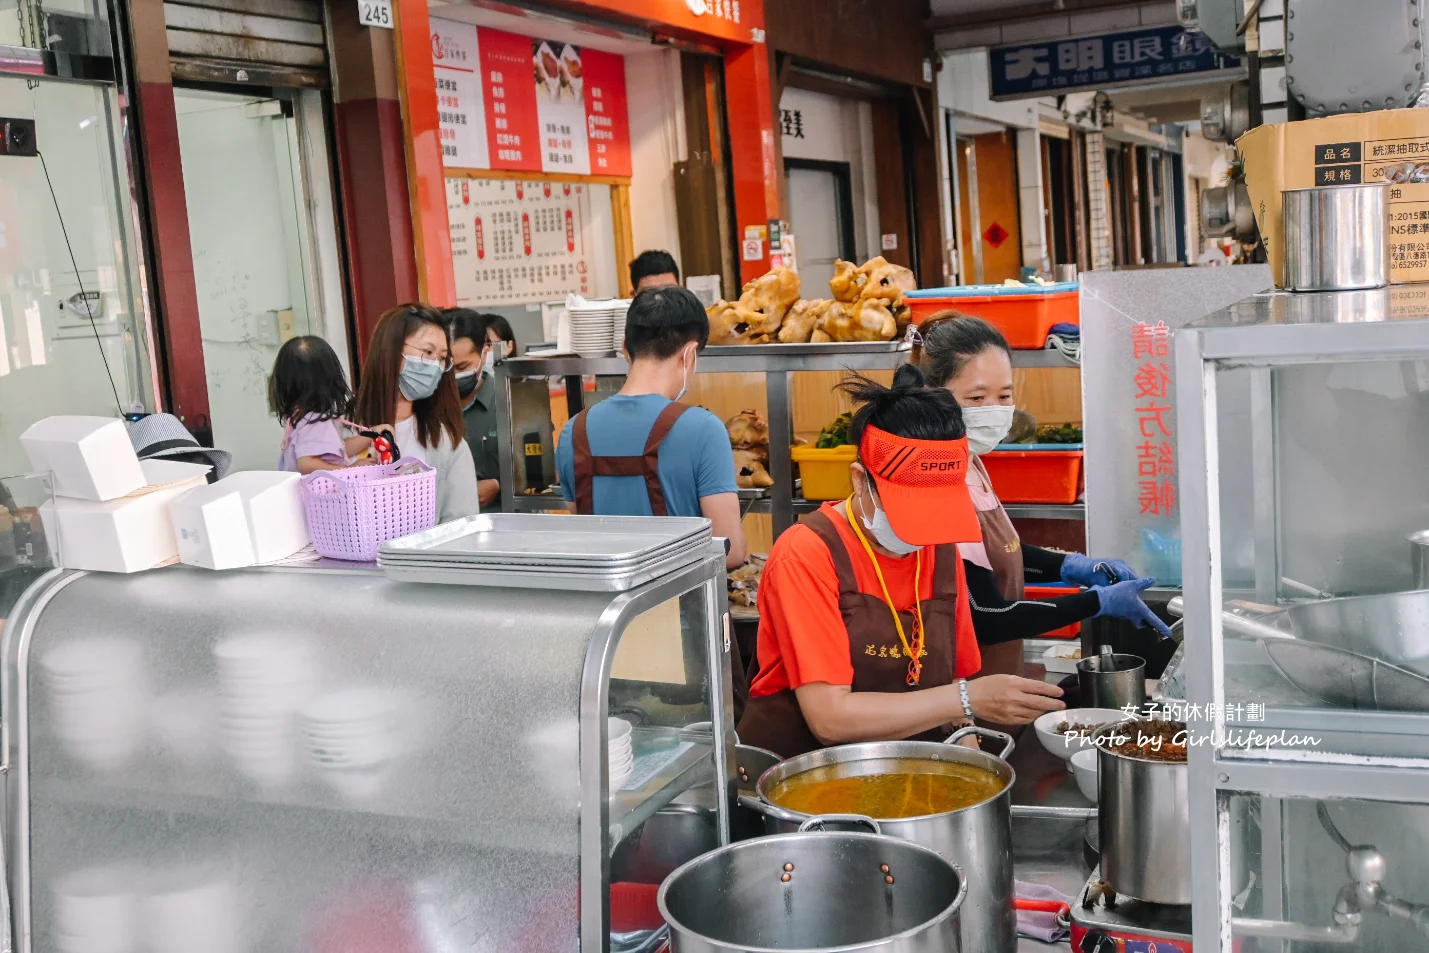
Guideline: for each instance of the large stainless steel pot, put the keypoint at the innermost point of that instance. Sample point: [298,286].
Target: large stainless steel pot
[977,838]
[1419,558]
[1143,822]
[1336,237]
[749,763]
[811,891]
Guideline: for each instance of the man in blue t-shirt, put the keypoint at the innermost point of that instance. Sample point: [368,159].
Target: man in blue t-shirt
[642,453]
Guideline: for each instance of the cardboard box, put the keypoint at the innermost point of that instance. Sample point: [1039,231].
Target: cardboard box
[128,534]
[211,528]
[1344,150]
[90,457]
[273,504]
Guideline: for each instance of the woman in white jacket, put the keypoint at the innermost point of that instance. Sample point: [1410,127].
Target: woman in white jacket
[407,378]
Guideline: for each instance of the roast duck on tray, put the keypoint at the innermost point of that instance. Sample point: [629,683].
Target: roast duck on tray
[866,305]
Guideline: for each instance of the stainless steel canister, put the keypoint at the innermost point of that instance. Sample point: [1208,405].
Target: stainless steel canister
[1419,558]
[1336,237]
[1112,681]
[1144,823]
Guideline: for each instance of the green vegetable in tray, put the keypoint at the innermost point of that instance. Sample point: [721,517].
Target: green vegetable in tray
[834,434]
[1059,433]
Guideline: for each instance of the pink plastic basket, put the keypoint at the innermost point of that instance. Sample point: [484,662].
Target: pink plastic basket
[353,511]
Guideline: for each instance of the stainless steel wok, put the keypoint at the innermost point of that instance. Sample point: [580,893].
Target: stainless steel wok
[1368,652]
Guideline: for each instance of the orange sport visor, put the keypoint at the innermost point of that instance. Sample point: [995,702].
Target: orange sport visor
[922,485]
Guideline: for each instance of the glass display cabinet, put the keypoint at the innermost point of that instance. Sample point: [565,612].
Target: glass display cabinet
[1307,629]
[300,759]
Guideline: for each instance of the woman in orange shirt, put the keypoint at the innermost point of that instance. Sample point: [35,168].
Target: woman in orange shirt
[865,626]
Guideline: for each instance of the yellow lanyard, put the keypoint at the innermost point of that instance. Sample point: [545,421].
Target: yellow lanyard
[915,663]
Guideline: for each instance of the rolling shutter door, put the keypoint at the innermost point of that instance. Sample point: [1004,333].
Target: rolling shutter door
[263,42]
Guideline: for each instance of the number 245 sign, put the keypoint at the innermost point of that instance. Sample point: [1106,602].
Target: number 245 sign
[375,13]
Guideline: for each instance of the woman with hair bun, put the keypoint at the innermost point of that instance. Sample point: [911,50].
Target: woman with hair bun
[865,625]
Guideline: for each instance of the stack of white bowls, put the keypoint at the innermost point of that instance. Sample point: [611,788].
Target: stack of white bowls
[353,737]
[617,325]
[620,752]
[98,698]
[263,680]
[591,326]
[96,911]
[188,911]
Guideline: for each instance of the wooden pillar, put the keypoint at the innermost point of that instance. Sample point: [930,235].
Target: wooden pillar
[161,176]
[372,163]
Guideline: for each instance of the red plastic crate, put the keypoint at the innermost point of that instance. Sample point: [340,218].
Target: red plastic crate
[1025,319]
[1035,476]
[1046,592]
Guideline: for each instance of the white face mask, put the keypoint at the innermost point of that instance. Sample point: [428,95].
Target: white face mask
[987,426]
[685,373]
[882,531]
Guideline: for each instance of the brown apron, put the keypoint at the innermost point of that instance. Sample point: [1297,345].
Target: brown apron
[588,466]
[775,721]
[1004,554]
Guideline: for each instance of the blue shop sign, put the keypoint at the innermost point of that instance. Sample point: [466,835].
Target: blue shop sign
[1151,56]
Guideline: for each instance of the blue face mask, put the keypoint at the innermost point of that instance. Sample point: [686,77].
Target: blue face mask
[419,377]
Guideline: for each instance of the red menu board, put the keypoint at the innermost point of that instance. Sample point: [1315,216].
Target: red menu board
[519,103]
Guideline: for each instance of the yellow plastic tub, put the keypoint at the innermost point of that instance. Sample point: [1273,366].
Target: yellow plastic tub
[825,472]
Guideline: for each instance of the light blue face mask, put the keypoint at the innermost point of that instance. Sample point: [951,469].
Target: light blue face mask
[882,531]
[419,377]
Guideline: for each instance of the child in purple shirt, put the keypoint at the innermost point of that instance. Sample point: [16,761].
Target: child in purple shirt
[308,392]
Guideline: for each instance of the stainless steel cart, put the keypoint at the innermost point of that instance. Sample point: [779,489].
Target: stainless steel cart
[483,820]
[1309,816]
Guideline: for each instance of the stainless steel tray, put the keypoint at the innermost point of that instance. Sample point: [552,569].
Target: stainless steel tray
[539,539]
[519,579]
[437,557]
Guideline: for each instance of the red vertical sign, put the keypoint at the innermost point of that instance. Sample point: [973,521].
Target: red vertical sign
[512,128]
[607,117]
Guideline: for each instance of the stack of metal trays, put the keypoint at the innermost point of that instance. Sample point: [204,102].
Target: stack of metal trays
[545,551]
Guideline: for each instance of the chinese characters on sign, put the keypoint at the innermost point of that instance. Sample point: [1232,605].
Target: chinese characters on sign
[1156,451]
[518,242]
[1129,57]
[791,121]
[515,103]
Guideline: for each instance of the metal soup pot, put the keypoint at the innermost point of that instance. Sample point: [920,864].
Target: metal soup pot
[978,838]
[1144,822]
[749,763]
[812,891]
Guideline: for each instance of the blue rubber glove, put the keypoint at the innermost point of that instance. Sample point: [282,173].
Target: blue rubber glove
[1079,570]
[1122,600]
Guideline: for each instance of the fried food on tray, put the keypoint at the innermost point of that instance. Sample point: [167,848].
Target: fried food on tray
[749,472]
[772,295]
[868,320]
[799,322]
[735,324]
[747,429]
[847,281]
[888,282]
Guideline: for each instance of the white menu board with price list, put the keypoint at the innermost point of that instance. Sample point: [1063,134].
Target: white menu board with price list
[520,242]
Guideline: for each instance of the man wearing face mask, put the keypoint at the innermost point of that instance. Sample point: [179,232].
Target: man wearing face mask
[640,452]
[472,361]
[865,625]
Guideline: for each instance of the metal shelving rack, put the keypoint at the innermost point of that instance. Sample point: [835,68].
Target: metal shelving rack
[1379,756]
[777,362]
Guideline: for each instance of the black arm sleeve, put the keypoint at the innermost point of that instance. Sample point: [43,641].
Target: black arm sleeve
[996,620]
[1042,567]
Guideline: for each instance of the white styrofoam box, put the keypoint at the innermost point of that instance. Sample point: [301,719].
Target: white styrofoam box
[273,502]
[162,473]
[211,527]
[91,457]
[125,535]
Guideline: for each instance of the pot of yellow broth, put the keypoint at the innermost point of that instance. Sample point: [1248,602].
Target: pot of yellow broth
[954,799]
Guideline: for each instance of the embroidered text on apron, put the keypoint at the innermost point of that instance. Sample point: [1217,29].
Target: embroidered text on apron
[776,722]
[588,466]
